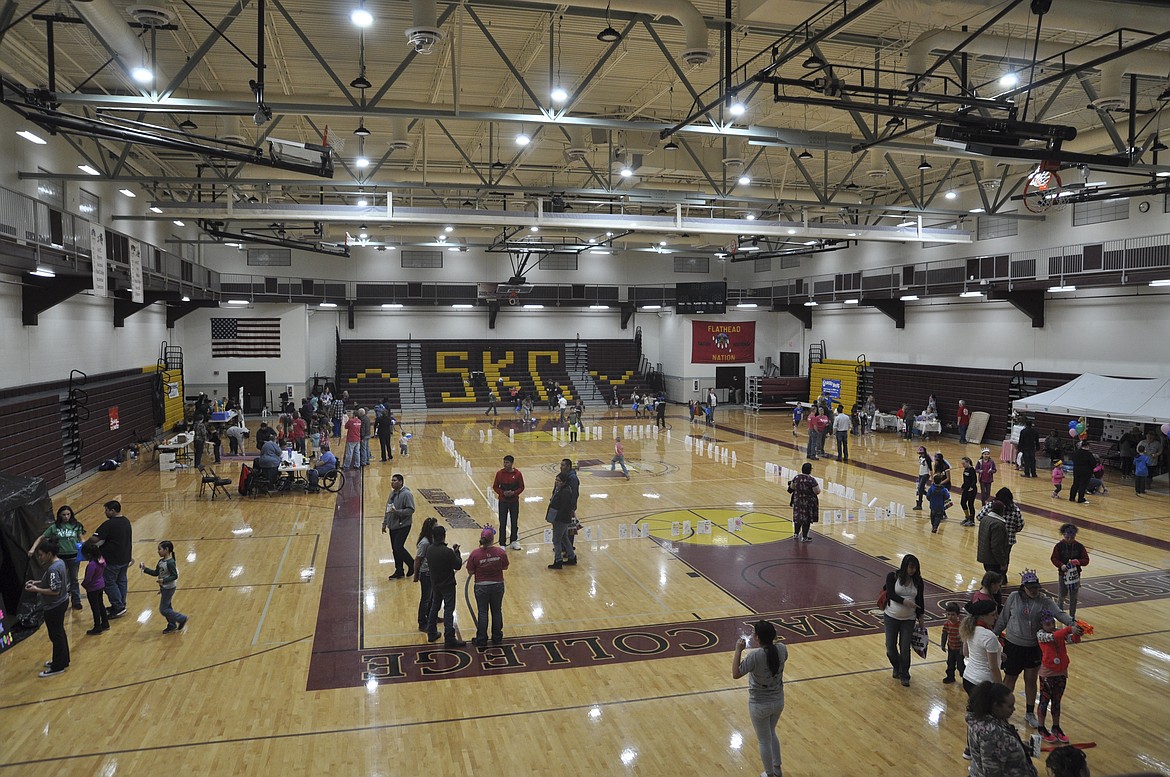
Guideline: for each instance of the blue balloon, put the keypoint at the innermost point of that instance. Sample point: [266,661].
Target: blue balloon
[1072,424]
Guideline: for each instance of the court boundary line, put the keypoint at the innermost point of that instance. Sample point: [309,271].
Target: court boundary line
[493,715]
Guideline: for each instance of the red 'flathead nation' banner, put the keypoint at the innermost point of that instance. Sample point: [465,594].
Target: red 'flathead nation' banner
[723,342]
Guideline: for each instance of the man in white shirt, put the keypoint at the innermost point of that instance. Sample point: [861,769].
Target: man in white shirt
[842,425]
[712,401]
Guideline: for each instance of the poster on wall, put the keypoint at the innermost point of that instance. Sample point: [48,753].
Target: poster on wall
[831,388]
[114,418]
[723,342]
[136,272]
[97,258]
[172,391]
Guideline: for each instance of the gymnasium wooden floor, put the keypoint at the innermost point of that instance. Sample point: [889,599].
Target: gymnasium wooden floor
[301,657]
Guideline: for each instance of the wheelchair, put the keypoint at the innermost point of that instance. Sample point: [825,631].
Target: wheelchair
[332,481]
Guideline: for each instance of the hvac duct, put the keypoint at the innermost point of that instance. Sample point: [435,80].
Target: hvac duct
[399,137]
[1088,16]
[424,33]
[696,53]
[578,149]
[113,31]
[1112,93]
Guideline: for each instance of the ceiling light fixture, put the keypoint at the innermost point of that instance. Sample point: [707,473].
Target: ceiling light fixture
[1164,282]
[187,124]
[361,130]
[924,165]
[185,298]
[599,307]
[1009,80]
[810,304]
[41,272]
[909,298]
[448,228]
[391,306]
[142,74]
[522,138]
[813,63]
[361,163]
[238,302]
[558,94]
[952,194]
[462,306]
[88,170]
[744,180]
[626,172]
[328,305]
[361,82]
[852,301]
[651,307]
[534,307]
[609,34]
[1057,289]
[894,122]
[967,294]
[737,108]
[362,203]
[747,305]
[178,223]
[127,193]
[804,154]
[534,228]
[670,146]
[155,209]
[31,138]
[360,16]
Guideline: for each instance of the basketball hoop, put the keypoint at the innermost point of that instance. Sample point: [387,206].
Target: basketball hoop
[1042,191]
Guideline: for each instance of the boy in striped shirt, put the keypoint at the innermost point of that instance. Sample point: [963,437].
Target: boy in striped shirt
[952,643]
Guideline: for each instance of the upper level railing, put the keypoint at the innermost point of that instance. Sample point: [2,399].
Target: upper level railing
[60,241]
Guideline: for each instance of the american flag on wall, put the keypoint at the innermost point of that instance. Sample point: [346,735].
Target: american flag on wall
[246,338]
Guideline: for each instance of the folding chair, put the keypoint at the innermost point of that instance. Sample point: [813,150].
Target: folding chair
[207,477]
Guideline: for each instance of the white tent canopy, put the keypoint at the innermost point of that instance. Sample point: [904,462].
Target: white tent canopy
[1142,400]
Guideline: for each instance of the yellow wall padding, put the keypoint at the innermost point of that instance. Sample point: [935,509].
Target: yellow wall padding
[840,371]
[172,399]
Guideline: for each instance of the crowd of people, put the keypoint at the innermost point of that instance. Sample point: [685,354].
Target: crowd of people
[108,553]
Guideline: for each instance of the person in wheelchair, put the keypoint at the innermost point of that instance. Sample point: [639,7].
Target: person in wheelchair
[326,464]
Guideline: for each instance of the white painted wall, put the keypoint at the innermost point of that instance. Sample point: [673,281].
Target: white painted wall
[208,374]
[1095,331]
[76,335]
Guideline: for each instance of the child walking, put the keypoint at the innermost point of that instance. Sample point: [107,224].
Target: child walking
[1068,556]
[1141,472]
[968,491]
[986,469]
[953,643]
[168,574]
[1057,477]
[95,586]
[938,496]
[797,413]
[619,457]
[1053,673]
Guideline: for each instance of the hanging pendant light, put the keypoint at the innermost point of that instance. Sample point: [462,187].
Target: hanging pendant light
[924,165]
[187,124]
[361,130]
[804,155]
[609,34]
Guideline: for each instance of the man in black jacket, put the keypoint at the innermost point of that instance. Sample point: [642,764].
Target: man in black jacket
[1083,462]
[1029,444]
[443,563]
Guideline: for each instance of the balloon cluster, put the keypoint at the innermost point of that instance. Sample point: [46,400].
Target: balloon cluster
[1077,429]
[1166,429]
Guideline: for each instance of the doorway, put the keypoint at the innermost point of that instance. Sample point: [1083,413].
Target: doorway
[731,378]
[255,388]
